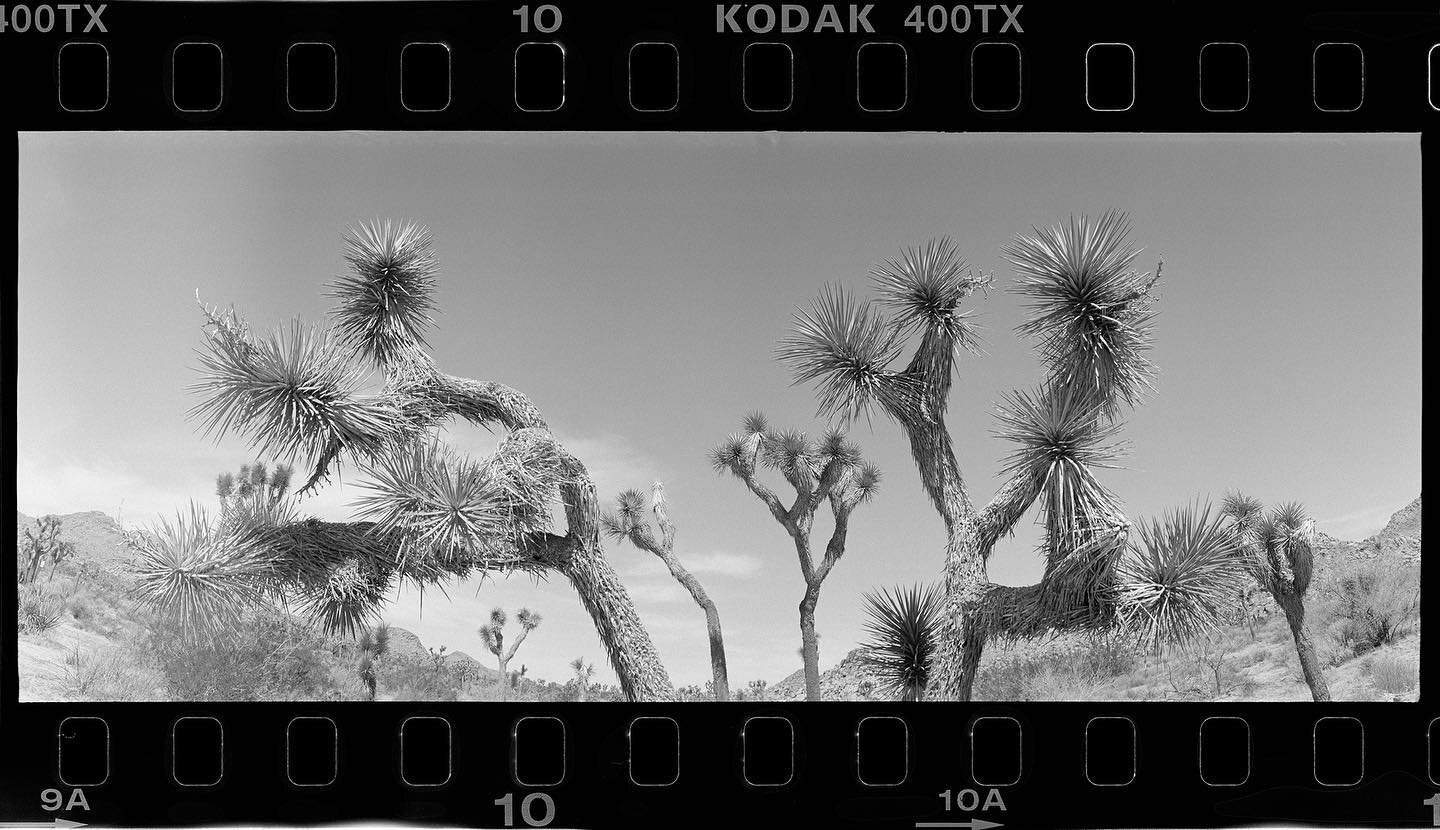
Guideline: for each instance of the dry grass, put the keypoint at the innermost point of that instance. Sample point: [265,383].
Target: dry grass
[1393,674]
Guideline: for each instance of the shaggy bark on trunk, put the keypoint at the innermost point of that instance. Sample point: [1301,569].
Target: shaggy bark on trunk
[1294,608]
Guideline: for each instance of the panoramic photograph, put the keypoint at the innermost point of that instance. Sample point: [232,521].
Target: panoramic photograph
[601,417]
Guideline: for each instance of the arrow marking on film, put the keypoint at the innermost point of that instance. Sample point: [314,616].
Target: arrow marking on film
[37,825]
[973,824]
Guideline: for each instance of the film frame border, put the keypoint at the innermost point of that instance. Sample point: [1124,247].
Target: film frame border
[705,100]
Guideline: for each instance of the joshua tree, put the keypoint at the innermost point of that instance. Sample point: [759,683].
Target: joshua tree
[757,689]
[373,644]
[901,624]
[430,514]
[493,636]
[830,471]
[583,673]
[254,486]
[1090,312]
[628,523]
[1279,547]
[42,543]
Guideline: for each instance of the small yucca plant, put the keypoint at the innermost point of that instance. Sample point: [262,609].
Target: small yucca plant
[901,623]
[199,577]
[1179,579]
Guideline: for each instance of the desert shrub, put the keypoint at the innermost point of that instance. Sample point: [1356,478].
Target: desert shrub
[1372,603]
[113,675]
[690,694]
[268,656]
[1393,674]
[1087,665]
[421,677]
[38,610]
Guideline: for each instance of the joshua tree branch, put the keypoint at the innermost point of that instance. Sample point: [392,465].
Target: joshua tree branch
[1005,509]
[524,632]
[832,475]
[766,495]
[836,546]
[802,551]
[662,516]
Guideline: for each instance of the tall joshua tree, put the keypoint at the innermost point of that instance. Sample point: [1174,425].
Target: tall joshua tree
[1279,547]
[430,514]
[829,471]
[1090,315]
[628,523]
[492,635]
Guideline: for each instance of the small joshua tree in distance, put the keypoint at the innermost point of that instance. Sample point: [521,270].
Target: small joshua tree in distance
[584,672]
[828,471]
[373,644]
[492,635]
[628,523]
[42,544]
[1279,548]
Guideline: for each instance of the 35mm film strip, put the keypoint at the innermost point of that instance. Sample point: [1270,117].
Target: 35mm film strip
[605,234]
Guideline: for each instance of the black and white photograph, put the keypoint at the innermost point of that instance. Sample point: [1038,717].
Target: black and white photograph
[718,417]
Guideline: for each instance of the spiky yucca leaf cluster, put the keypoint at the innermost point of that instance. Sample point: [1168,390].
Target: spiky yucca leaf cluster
[385,304]
[1278,544]
[1061,439]
[446,507]
[833,464]
[1090,310]
[1180,578]
[201,579]
[901,624]
[628,518]
[845,347]
[289,396]
[924,288]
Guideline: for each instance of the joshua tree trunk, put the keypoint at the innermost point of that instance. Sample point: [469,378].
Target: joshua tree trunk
[642,675]
[503,683]
[809,643]
[630,524]
[1294,608]
[720,676]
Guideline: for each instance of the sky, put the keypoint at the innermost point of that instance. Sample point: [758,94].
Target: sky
[635,285]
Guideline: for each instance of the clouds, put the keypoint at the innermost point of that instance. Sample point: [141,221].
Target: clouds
[724,563]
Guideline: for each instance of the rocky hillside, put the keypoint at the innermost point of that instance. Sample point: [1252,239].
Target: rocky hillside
[1401,536]
[842,682]
[97,540]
